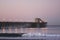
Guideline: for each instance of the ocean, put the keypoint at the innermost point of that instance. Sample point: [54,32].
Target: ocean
[50,32]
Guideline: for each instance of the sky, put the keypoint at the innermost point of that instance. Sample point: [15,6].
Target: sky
[28,10]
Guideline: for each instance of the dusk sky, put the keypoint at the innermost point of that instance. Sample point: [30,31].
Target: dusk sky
[28,10]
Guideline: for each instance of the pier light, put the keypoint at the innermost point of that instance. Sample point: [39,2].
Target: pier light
[40,21]
[9,19]
[4,19]
[16,19]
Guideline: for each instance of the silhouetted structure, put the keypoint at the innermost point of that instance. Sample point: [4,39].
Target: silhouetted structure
[38,20]
[38,23]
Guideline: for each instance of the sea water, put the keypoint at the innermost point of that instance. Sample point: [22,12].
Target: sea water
[51,32]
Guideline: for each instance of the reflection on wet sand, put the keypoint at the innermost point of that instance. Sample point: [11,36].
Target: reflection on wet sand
[44,30]
[30,30]
[23,30]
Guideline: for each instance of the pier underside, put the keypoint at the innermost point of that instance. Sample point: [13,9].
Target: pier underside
[23,24]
